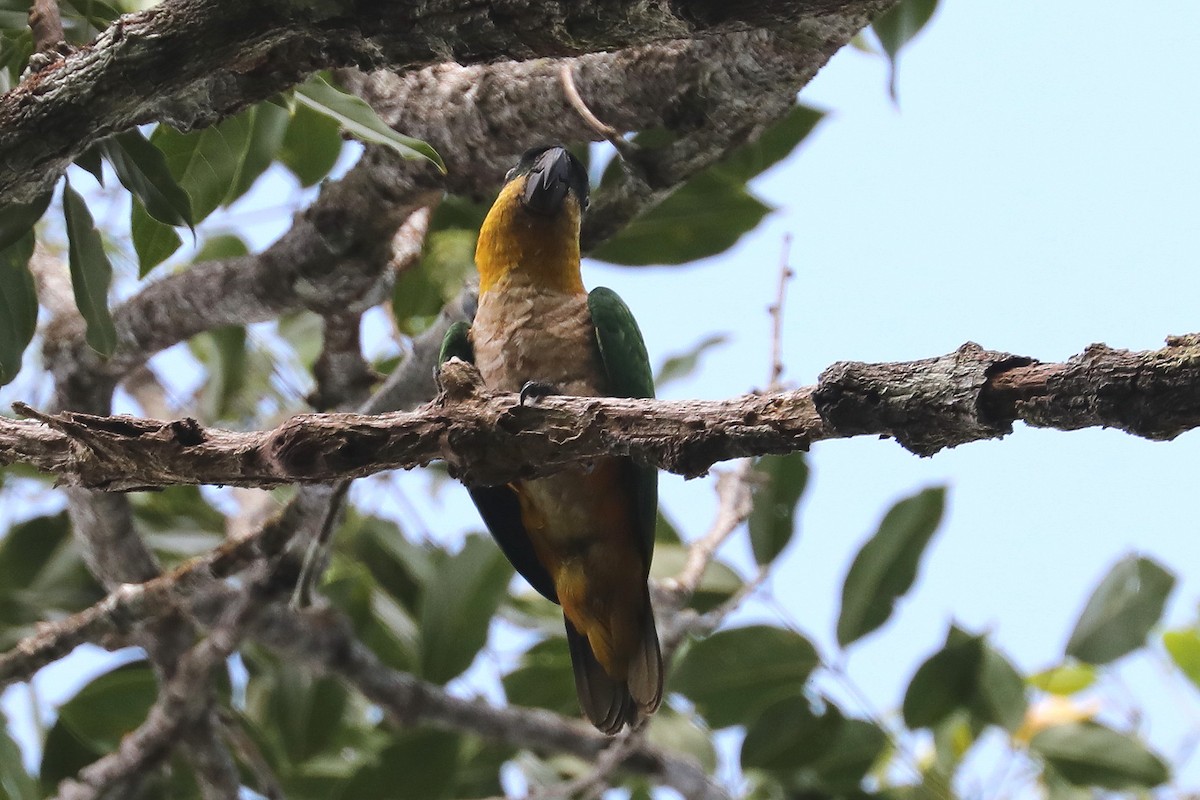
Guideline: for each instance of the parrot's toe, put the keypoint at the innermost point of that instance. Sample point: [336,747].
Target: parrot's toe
[536,390]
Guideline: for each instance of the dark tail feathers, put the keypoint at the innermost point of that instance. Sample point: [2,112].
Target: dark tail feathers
[609,703]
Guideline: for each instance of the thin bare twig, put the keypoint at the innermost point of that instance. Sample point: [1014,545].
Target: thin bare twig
[317,550]
[604,130]
[266,784]
[776,312]
[733,506]
[596,780]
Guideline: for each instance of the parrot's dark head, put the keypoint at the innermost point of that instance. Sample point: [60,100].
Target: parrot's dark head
[532,229]
[546,177]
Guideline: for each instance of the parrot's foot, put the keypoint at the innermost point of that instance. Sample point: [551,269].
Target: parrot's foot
[536,390]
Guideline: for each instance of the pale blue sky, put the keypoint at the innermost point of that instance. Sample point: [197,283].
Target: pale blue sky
[1037,190]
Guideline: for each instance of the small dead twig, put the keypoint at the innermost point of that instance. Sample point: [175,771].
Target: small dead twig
[318,549]
[624,148]
[776,311]
[595,781]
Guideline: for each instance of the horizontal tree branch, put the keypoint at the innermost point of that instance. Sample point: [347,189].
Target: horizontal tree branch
[191,62]
[968,395]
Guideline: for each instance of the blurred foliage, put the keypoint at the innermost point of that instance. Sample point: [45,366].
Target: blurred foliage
[430,608]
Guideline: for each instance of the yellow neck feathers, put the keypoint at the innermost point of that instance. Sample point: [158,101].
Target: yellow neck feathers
[543,250]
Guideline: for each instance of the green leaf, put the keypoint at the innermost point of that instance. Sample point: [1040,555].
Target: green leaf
[775,144]
[417,765]
[479,767]
[773,516]
[178,522]
[18,306]
[142,169]
[360,120]
[207,162]
[13,20]
[788,735]
[1087,754]
[401,568]
[702,218]
[15,50]
[15,782]
[111,705]
[90,161]
[98,13]
[458,212]
[224,352]
[458,607]
[1121,611]
[886,566]
[221,247]
[153,241]
[684,364]
[966,675]
[305,715]
[717,584]
[945,682]
[734,673]
[1184,649]
[42,576]
[708,214]
[1000,695]
[1065,679]
[91,273]
[311,145]
[543,679]
[18,219]
[420,293]
[897,26]
[268,127]
[856,746]
[676,733]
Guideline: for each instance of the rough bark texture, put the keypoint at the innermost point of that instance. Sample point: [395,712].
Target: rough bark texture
[489,439]
[191,62]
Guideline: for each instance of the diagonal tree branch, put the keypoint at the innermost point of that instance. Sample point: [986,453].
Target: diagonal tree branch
[184,700]
[969,395]
[324,641]
[191,62]
[717,91]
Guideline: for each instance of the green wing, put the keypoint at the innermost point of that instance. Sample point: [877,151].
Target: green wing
[498,505]
[627,367]
[457,344]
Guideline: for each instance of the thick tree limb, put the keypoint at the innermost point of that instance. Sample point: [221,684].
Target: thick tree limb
[927,405]
[719,91]
[191,62]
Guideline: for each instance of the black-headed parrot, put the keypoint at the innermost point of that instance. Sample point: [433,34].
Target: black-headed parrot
[583,537]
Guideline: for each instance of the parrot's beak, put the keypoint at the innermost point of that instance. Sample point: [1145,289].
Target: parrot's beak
[552,177]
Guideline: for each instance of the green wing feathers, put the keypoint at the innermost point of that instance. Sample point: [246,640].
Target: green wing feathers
[622,349]
[627,368]
[457,344]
